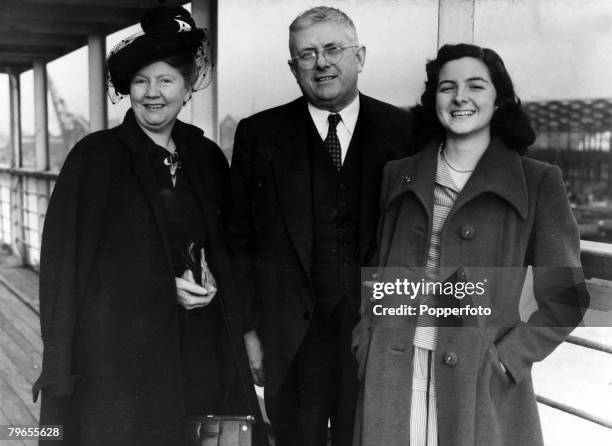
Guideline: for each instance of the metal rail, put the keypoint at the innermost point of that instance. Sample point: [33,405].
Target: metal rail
[597,262]
[29,173]
[574,411]
[596,259]
[587,343]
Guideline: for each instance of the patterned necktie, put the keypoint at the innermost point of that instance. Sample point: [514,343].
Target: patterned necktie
[332,143]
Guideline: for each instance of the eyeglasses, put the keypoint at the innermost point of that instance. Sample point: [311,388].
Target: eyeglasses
[332,54]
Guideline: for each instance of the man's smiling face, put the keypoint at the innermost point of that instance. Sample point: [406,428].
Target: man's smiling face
[328,86]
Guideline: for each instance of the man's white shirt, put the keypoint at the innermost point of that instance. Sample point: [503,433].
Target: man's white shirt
[345,127]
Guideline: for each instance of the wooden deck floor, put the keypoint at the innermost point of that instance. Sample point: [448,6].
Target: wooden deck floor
[20,346]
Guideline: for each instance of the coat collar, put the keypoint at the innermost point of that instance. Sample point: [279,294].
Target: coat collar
[379,144]
[188,140]
[417,177]
[292,171]
[137,143]
[499,171]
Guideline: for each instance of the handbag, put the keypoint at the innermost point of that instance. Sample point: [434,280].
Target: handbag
[215,430]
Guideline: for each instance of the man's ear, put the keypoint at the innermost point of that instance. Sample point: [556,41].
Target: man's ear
[360,54]
[293,69]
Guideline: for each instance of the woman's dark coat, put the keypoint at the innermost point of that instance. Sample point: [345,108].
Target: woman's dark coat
[512,212]
[111,363]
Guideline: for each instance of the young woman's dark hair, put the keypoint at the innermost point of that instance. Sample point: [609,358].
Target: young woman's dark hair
[509,122]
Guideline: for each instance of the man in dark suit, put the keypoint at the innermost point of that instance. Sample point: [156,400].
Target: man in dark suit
[305,184]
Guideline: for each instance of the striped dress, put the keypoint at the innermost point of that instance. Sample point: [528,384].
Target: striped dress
[423,412]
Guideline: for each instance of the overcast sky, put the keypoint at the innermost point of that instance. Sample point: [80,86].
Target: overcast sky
[554,49]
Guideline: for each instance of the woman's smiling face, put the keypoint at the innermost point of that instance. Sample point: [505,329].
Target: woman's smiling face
[157,94]
[465,97]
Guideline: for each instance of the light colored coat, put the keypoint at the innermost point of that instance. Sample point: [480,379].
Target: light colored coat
[512,212]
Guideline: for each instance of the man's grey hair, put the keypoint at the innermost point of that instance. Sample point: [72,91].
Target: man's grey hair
[321,14]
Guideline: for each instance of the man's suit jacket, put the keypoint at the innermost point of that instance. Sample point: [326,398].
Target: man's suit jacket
[270,219]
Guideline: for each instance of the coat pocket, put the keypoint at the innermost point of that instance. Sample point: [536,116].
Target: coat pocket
[500,380]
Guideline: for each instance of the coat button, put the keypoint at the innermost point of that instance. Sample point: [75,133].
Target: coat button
[467,232]
[451,359]
[306,315]
[407,179]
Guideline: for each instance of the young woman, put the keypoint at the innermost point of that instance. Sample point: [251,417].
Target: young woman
[468,208]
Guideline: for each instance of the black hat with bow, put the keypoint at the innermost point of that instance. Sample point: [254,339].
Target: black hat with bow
[168,29]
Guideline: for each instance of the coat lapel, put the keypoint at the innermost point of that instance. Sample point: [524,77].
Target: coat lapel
[419,180]
[499,171]
[376,150]
[134,139]
[189,140]
[292,171]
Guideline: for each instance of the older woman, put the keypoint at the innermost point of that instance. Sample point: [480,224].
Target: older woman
[135,284]
[467,209]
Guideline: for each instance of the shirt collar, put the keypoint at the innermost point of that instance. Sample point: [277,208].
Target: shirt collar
[443,177]
[349,115]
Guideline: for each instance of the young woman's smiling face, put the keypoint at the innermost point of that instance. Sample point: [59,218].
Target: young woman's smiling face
[465,97]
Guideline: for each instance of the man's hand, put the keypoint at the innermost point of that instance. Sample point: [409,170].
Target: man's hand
[255,353]
[189,294]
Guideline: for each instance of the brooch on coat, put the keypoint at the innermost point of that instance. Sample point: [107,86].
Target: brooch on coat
[173,161]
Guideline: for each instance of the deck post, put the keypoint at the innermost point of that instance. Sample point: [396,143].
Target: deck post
[16,157]
[97,89]
[205,103]
[41,141]
[15,117]
[455,21]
